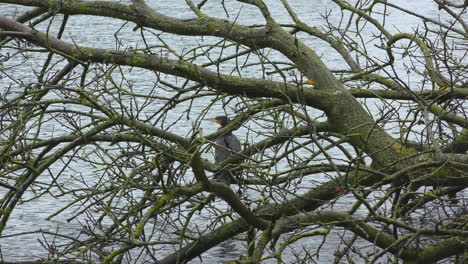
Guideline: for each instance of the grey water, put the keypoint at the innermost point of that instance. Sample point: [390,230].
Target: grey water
[100,32]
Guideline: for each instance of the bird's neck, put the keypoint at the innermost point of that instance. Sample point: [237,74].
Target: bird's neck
[227,133]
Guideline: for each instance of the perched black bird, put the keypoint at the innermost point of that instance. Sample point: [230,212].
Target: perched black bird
[226,145]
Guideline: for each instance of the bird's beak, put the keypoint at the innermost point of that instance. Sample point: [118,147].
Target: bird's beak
[214,120]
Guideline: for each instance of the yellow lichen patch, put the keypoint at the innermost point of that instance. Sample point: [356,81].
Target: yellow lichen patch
[311,82]
[443,88]
[402,149]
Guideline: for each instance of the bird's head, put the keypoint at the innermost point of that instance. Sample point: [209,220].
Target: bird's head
[221,120]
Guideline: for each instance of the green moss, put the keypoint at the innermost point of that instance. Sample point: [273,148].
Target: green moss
[81,6]
[135,60]
[108,56]
[82,53]
[443,172]
[138,230]
[139,59]
[329,90]
[164,199]
[190,70]
[7,211]
[212,27]
[463,135]
[438,110]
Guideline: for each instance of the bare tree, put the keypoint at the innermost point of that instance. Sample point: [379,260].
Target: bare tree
[353,152]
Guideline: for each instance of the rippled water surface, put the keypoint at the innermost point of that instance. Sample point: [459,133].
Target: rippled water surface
[99,32]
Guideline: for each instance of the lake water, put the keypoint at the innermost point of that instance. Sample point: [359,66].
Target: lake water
[99,32]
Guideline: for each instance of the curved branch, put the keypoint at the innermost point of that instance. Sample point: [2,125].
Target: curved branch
[429,64]
[335,102]
[375,236]
[224,83]
[226,193]
[455,93]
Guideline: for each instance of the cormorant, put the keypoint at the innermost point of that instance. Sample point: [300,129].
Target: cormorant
[226,145]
